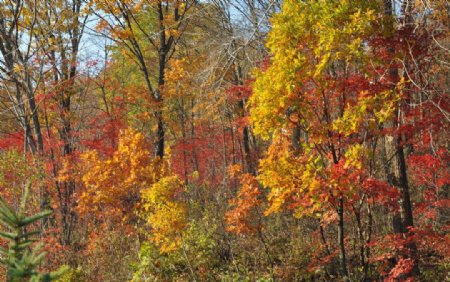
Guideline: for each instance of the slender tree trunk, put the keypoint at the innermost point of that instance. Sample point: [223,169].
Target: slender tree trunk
[341,237]
[400,179]
[163,51]
[359,229]
[239,80]
[34,115]
[367,241]
[406,208]
[160,135]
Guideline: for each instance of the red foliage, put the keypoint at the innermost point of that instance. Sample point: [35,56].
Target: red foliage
[12,140]
[239,92]
[403,267]
[204,154]
[102,133]
[381,192]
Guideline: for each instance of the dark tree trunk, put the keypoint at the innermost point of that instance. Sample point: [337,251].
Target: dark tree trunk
[160,135]
[341,236]
[399,177]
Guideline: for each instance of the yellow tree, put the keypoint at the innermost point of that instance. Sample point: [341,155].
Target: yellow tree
[132,182]
[316,47]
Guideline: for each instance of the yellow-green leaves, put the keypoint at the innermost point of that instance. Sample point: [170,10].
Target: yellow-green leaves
[307,36]
[313,44]
[292,179]
[354,156]
[370,110]
[166,214]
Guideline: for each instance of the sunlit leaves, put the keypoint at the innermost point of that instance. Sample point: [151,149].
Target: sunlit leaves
[165,212]
[113,183]
[116,184]
[306,38]
[242,218]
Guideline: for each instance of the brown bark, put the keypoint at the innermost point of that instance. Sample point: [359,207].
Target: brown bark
[397,172]
[341,236]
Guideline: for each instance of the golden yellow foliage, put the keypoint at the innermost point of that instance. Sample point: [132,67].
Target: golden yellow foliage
[166,213]
[117,185]
[113,183]
[306,37]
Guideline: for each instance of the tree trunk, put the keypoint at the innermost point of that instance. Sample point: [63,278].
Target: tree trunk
[160,135]
[398,166]
[341,235]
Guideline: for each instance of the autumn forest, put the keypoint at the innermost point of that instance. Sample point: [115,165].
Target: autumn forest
[224,140]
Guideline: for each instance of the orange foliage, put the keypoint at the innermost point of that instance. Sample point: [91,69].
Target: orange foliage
[113,184]
[239,219]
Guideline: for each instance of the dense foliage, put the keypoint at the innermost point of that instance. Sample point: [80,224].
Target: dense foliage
[224,140]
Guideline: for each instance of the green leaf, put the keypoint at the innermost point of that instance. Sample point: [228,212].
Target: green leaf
[9,235]
[7,214]
[29,234]
[58,273]
[33,218]
[37,259]
[24,245]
